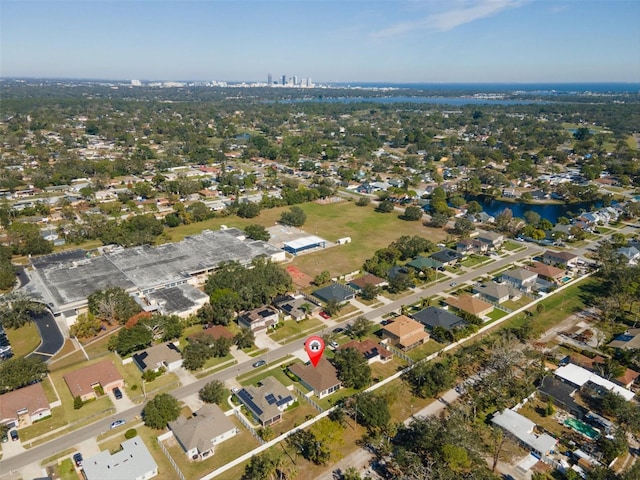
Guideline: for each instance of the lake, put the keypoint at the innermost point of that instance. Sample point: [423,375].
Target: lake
[455,101]
[549,212]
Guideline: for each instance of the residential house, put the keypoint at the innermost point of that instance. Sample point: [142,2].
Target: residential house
[260,318]
[446,256]
[321,380]
[523,430]
[494,293]
[561,394]
[370,350]
[335,292]
[199,435]
[22,407]
[629,340]
[433,317]
[404,333]
[581,377]
[472,305]
[627,379]
[471,245]
[87,382]
[560,259]
[548,272]
[520,278]
[424,263]
[493,240]
[164,356]
[632,254]
[218,331]
[367,279]
[295,307]
[132,462]
[266,401]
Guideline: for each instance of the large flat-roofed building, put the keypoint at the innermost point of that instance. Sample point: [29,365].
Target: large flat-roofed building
[64,281]
[133,462]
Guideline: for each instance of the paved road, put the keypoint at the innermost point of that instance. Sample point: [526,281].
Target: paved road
[52,339]
[69,440]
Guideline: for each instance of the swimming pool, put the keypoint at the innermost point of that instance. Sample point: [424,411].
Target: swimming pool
[582,428]
[566,279]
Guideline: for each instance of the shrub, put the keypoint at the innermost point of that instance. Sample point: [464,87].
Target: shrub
[77,403]
[129,434]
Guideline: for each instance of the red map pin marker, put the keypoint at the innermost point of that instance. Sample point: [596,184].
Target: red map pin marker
[315,348]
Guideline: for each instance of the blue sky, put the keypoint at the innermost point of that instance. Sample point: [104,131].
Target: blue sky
[347,41]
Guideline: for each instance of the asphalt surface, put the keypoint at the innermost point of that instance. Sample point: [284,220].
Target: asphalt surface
[51,336]
[65,441]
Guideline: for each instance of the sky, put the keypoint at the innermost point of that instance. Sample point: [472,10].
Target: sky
[414,41]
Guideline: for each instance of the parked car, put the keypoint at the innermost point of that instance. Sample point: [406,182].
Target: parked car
[325,315]
[118,423]
[117,393]
[453,284]
[14,435]
[338,330]
[333,344]
[259,363]
[77,458]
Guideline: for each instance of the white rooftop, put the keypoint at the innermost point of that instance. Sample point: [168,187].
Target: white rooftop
[132,462]
[522,428]
[304,242]
[579,376]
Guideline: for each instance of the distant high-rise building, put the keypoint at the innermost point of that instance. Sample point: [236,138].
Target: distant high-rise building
[284,79]
[269,80]
[136,83]
[295,80]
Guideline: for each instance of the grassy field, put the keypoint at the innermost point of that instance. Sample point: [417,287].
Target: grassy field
[293,329]
[23,340]
[424,350]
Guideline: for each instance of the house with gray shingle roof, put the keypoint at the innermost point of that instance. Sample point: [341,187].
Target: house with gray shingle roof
[520,278]
[199,434]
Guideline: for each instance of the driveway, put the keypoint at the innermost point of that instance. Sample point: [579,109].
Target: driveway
[51,336]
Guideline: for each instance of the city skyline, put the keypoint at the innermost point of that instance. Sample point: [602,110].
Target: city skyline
[466,41]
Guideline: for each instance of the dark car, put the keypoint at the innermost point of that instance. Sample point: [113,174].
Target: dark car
[77,458]
[259,363]
[338,330]
[14,435]
[117,393]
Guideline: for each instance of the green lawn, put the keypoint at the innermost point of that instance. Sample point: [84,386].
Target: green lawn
[473,260]
[277,372]
[496,314]
[66,470]
[516,304]
[24,340]
[512,246]
[292,329]
[424,350]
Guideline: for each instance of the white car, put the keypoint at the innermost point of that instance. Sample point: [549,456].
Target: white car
[333,344]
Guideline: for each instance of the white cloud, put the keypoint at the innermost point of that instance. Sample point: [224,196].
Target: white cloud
[461,13]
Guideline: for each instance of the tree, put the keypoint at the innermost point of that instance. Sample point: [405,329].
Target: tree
[16,310]
[25,239]
[369,292]
[333,307]
[385,206]
[113,305]
[257,232]
[19,372]
[213,392]
[322,278]
[412,213]
[353,369]
[86,326]
[305,443]
[532,218]
[195,355]
[400,282]
[613,447]
[363,201]
[295,217]
[464,226]
[260,467]
[248,210]
[77,402]
[372,411]
[244,338]
[474,207]
[360,327]
[159,411]
[132,339]
[438,220]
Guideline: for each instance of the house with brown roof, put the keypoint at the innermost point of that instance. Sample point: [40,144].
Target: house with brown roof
[260,318]
[321,380]
[370,350]
[469,304]
[85,381]
[24,406]
[404,333]
[563,259]
[199,435]
[547,272]
[367,279]
[218,331]
[165,355]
